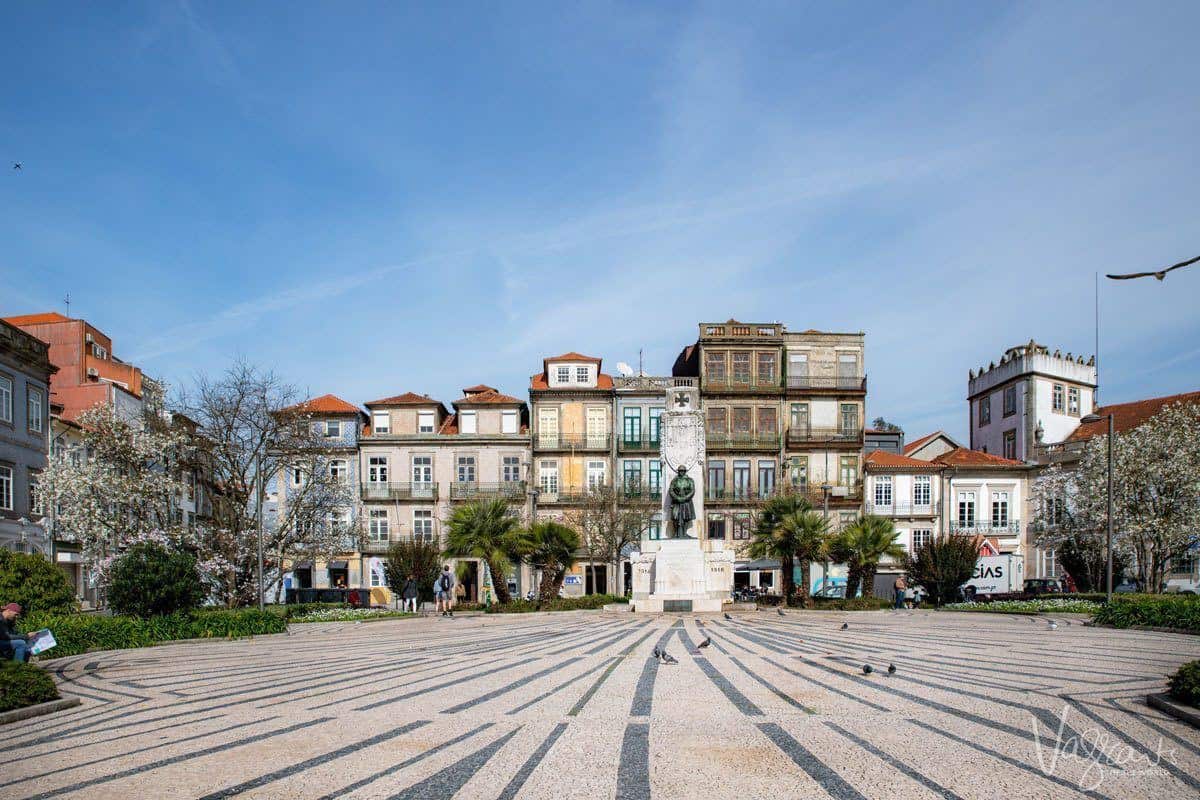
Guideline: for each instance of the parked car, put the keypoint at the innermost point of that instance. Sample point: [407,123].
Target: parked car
[1042,586]
[1128,586]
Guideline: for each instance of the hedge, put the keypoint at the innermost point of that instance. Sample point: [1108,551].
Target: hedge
[1155,611]
[1185,684]
[587,602]
[82,633]
[24,685]
[851,603]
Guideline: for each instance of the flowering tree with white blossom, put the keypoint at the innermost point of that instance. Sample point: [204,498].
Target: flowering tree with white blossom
[1156,494]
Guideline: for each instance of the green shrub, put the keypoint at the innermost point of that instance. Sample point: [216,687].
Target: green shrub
[422,560]
[24,685]
[851,603]
[148,580]
[1185,684]
[587,602]
[1156,611]
[1060,604]
[35,583]
[82,633]
[942,565]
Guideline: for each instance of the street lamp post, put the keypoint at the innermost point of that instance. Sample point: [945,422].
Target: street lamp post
[825,490]
[1090,418]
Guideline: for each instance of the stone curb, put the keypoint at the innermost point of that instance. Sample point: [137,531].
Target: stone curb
[1150,628]
[1167,704]
[40,709]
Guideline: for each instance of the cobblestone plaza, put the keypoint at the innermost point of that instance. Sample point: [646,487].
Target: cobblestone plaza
[576,705]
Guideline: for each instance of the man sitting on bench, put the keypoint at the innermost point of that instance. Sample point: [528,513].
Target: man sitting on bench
[13,645]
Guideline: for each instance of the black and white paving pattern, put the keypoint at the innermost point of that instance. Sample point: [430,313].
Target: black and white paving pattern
[575,705]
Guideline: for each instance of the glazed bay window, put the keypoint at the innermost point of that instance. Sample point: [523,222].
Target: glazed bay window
[766,369]
[716,526]
[377,469]
[1058,402]
[511,469]
[548,477]
[467,422]
[425,421]
[1000,510]
[714,367]
[381,422]
[883,492]
[966,510]
[509,422]
[6,399]
[922,486]
[466,469]
[741,368]
[422,524]
[1010,401]
[377,525]
[985,410]
[6,488]
[1073,401]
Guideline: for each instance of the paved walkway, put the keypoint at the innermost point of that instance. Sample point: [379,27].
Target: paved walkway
[574,706]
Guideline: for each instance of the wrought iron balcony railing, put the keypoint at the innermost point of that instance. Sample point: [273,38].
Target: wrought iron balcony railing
[572,441]
[842,383]
[566,494]
[899,509]
[643,443]
[737,494]
[985,526]
[742,441]
[398,491]
[805,434]
[643,491]
[471,490]
[734,385]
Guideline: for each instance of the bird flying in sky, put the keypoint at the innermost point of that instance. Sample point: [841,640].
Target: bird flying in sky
[1160,274]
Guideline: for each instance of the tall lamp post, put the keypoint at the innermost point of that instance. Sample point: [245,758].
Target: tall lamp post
[825,490]
[1089,419]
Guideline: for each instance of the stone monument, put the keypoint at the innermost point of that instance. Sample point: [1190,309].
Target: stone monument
[685,571]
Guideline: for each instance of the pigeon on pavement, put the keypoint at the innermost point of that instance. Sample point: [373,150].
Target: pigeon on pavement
[707,641]
[1053,625]
[728,617]
[845,626]
[891,669]
[667,658]
[867,669]
[779,611]
[657,652]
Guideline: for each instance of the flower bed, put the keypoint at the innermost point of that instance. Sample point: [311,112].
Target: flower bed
[1181,612]
[348,615]
[1042,606]
[587,602]
[81,633]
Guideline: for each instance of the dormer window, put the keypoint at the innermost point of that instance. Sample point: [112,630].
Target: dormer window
[508,421]
[381,422]
[564,374]
[581,374]
[424,422]
[333,429]
[467,422]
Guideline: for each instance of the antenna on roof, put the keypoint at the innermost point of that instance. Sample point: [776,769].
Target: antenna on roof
[641,371]
[67,300]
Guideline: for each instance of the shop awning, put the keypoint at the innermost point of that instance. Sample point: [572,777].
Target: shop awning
[339,564]
[302,565]
[761,563]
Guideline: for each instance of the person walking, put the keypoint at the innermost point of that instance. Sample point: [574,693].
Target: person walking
[408,593]
[445,592]
[901,589]
[13,644]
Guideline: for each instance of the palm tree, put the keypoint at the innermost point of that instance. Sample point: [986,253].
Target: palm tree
[862,545]
[767,542]
[552,549]
[487,530]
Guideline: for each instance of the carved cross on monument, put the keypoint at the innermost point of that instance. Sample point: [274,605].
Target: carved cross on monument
[682,400]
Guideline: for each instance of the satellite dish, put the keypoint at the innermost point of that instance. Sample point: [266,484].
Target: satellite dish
[625,370]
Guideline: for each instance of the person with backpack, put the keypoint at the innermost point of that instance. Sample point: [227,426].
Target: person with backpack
[445,592]
[409,594]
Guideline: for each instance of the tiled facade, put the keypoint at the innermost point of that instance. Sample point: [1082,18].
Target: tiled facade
[25,375]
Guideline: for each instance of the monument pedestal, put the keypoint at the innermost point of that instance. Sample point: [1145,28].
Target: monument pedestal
[681,575]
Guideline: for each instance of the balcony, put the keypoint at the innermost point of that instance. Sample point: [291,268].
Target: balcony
[827,383]
[565,495]
[986,528]
[641,492]
[471,490]
[571,441]
[900,510]
[646,443]
[399,491]
[734,386]
[807,436]
[742,441]
[376,546]
[723,494]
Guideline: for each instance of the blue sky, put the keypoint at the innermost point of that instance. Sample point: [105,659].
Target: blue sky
[380,198]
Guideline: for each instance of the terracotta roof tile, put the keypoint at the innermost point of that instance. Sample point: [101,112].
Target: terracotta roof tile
[916,444]
[603,381]
[1127,416]
[406,399]
[325,404]
[37,319]
[886,460]
[489,397]
[963,457]
[478,388]
[573,356]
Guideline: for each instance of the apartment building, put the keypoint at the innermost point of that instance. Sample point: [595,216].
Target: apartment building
[1031,397]
[781,409]
[418,460]
[909,492]
[638,404]
[26,373]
